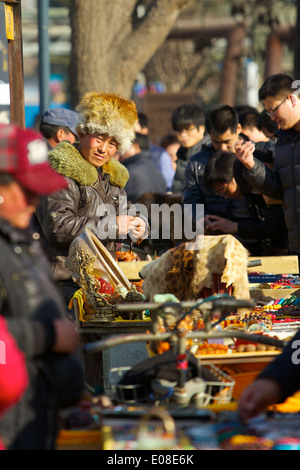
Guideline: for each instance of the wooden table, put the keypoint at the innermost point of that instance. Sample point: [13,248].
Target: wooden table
[240,358]
[242,367]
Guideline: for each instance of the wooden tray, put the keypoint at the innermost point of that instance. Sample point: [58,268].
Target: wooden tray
[276,264]
[273,293]
[79,440]
[254,354]
[132,268]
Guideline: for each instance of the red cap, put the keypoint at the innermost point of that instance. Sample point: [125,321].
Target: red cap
[24,154]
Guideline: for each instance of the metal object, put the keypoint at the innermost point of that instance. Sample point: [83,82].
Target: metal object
[185,391]
[254,262]
[44,55]
[126,339]
[221,301]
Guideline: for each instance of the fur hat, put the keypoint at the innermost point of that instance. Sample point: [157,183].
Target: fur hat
[108,113]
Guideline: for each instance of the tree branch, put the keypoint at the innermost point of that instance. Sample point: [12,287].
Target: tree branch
[154,29]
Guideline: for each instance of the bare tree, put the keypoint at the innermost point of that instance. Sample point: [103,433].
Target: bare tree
[111,44]
[199,61]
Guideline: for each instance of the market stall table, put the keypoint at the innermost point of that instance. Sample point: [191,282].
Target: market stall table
[242,367]
[99,365]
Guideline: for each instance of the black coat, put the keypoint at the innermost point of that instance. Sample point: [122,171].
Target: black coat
[144,176]
[195,192]
[283,182]
[261,230]
[266,225]
[183,156]
[30,301]
[284,369]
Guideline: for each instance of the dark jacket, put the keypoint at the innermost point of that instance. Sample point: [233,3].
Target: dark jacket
[144,176]
[283,182]
[183,156]
[13,371]
[91,201]
[194,190]
[29,301]
[266,225]
[261,228]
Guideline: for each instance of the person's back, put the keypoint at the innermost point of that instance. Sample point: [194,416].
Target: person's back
[188,122]
[144,176]
[159,155]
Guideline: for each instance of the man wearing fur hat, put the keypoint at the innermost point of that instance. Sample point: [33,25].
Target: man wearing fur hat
[95,197]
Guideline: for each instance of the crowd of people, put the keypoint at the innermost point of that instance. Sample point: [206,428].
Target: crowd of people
[87,169]
[176,167]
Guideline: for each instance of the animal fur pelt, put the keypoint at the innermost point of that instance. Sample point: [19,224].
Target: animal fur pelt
[185,273]
[67,160]
[108,113]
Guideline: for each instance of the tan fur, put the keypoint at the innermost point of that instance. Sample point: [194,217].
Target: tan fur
[68,161]
[108,113]
[224,255]
[186,273]
[154,275]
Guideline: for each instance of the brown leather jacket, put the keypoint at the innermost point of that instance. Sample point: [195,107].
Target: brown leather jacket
[91,201]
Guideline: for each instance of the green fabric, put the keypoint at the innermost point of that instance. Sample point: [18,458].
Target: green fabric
[68,161]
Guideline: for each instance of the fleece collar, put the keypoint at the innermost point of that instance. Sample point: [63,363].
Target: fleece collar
[68,161]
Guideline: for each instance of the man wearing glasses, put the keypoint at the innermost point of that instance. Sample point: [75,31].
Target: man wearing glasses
[281,99]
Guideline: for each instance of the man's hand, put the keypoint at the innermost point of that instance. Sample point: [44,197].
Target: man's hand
[216,223]
[123,222]
[137,229]
[244,153]
[256,398]
[66,336]
[132,225]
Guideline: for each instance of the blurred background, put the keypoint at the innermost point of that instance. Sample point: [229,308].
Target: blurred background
[160,53]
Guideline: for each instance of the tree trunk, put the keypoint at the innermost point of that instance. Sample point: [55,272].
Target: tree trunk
[107,51]
[297,45]
[232,64]
[274,55]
